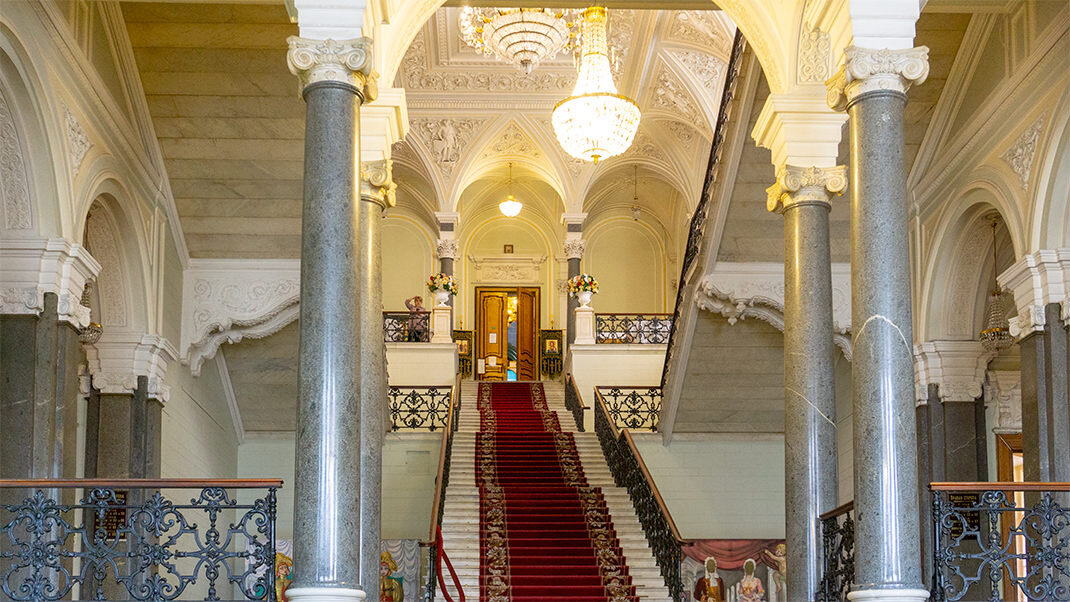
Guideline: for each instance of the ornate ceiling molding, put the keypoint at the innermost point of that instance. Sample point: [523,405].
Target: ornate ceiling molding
[224,301]
[1020,154]
[707,70]
[671,94]
[446,139]
[701,28]
[512,141]
[737,291]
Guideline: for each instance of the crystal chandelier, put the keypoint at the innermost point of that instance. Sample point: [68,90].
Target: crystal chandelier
[996,335]
[522,36]
[510,207]
[595,122]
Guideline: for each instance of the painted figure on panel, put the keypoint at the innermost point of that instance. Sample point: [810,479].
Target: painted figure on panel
[779,561]
[750,587]
[710,588]
[390,587]
[284,574]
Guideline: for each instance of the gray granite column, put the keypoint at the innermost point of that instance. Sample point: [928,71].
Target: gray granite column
[802,196]
[872,87]
[327,541]
[1045,407]
[376,194]
[574,252]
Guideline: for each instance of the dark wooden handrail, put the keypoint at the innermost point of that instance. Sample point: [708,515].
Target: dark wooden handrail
[579,395]
[642,467]
[141,483]
[842,509]
[633,313]
[446,434]
[999,486]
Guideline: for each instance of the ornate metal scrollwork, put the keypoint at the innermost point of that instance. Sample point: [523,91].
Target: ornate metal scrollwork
[987,541]
[573,403]
[419,408]
[632,329]
[633,407]
[406,327]
[838,559]
[137,545]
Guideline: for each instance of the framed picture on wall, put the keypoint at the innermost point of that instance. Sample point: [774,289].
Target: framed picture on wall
[462,347]
[507,249]
[552,347]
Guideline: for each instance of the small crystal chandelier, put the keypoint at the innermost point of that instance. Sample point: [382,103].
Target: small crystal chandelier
[510,207]
[595,122]
[635,195]
[996,335]
[522,36]
[91,333]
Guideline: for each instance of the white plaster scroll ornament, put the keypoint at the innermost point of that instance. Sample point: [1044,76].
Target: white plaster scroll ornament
[868,70]
[33,267]
[344,61]
[377,182]
[796,185]
[574,248]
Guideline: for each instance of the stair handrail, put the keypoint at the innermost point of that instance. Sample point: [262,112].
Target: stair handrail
[574,401]
[434,538]
[441,556]
[697,226]
[630,471]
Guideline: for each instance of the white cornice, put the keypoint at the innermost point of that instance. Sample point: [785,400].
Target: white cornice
[958,367]
[29,268]
[119,358]
[1037,280]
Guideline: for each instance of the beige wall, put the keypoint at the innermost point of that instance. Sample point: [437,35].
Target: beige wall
[197,433]
[628,260]
[408,259]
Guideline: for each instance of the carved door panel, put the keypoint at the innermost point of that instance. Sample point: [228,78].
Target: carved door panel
[492,337]
[527,339]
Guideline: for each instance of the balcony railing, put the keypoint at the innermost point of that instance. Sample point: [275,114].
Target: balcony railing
[124,539]
[632,329]
[992,541]
[419,408]
[406,326]
[573,402]
[838,563]
[1001,541]
[635,408]
[628,470]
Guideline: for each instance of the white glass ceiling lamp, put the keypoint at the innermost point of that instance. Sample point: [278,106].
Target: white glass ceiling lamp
[522,36]
[595,122]
[510,207]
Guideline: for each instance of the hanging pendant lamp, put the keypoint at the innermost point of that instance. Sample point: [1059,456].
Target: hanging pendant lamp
[510,207]
[996,335]
[595,122]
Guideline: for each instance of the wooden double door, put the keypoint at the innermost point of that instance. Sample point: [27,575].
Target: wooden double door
[507,333]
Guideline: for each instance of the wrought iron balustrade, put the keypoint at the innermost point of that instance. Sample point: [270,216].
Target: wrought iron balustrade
[436,554]
[633,407]
[628,470]
[1001,541]
[419,408]
[125,539]
[697,225]
[406,326]
[632,329]
[573,402]
[838,557]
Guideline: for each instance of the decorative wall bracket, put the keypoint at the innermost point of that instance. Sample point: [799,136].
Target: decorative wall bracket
[119,358]
[958,367]
[1037,280]
[738,291]
[224,301]
[33,267]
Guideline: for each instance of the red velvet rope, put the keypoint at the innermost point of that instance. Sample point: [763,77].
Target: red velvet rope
[440,555]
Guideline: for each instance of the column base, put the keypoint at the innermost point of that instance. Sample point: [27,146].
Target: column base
[879,595]
[324,594]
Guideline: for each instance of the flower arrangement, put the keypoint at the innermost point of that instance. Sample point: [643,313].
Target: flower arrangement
[583,283]
[442,282]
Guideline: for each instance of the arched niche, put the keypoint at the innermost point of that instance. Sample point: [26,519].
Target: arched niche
[408,259]
[1051,213]
[628,259]
[120,298]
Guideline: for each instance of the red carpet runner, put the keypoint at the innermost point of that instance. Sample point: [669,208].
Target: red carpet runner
[545,534]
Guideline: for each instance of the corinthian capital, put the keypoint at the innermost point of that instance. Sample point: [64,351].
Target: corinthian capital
[797,185]
[868,69]
[446,248]
[377,182]
[574,248]
[345,61]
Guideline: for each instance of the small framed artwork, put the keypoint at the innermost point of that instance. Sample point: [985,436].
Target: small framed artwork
[552,347]
[507,248]
[462,347]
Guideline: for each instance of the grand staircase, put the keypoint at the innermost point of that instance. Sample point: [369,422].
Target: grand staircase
[461,518]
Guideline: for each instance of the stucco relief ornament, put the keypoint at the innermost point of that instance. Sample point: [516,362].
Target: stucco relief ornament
[377,183]
[77,138]
[796,185]
[447,249]
[1020,155]
[14,186]
[814,48]
[574,248]
[869,70]
[344,61]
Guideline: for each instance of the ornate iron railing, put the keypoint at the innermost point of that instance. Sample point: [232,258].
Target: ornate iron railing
[629,471]
[434,538]
[838,559]
[573,401]
[419,408]
[633,407]
[993,545]
[125,540]
[632,329]
[698,219]
[406,326]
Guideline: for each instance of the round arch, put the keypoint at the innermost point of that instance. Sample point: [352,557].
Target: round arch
[1050,217]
